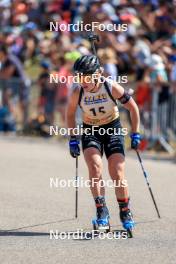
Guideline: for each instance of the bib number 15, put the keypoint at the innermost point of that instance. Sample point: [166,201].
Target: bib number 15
[99,110]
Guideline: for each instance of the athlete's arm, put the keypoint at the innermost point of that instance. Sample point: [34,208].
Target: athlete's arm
[119,93]
[71,109]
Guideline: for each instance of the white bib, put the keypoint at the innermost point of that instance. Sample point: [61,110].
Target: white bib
[98,108]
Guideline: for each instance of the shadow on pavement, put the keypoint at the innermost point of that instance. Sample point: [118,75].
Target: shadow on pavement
[41,224]
[80,233]
[22,233]
[75,235]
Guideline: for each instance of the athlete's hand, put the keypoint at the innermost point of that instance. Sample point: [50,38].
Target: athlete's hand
[74,147]
[135,140]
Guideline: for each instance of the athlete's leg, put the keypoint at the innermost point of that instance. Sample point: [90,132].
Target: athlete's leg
[116,166]
[95,166]
[93,151]
[93,159]
[114,150]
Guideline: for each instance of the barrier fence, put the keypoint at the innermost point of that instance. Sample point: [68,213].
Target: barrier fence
[163,117]
[158,120]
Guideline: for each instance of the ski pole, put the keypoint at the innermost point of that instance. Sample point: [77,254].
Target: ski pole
[146,178]
[76,193]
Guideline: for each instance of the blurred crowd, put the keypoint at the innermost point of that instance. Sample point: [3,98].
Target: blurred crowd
[29,51]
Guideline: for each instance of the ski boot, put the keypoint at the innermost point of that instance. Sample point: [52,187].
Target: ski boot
[102,221]
[127,220]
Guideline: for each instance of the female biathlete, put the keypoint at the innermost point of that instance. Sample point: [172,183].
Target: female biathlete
[98,101]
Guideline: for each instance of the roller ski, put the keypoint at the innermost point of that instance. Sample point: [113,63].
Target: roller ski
[101,223]
[127,221]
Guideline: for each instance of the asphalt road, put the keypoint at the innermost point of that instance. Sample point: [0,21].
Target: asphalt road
[30,209]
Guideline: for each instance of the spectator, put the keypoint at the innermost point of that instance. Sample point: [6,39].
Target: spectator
[65,73]
[13,77]
[7,120]
[109,60]
[47,93]
[25,33]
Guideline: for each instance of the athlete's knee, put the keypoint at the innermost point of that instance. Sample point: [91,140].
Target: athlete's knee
[116,166]
[94,162]
[117,169]
[95,169]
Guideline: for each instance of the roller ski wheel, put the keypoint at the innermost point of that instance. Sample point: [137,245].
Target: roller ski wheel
[130,233]
[129,228]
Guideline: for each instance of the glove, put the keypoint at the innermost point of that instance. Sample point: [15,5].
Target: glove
[135,140]
[74,147]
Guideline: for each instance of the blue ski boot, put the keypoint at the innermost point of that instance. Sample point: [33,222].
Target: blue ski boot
[102,221]
[126,217]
